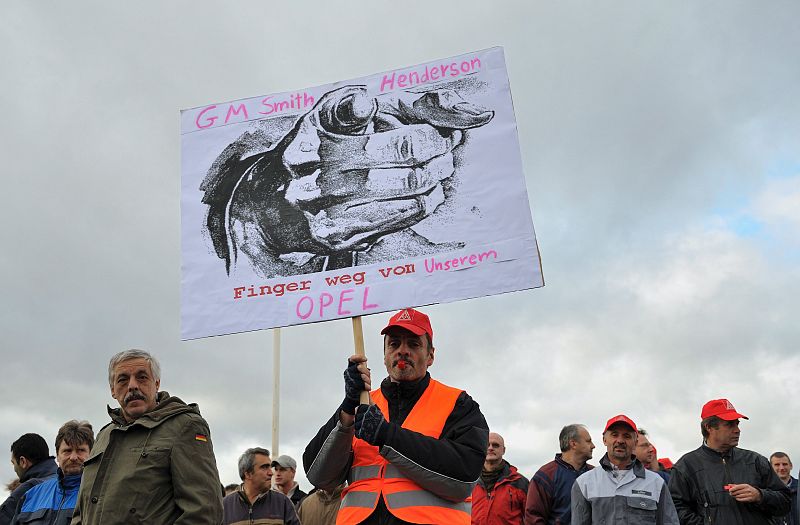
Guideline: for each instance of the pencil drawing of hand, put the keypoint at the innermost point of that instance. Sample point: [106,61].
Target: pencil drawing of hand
[353,169]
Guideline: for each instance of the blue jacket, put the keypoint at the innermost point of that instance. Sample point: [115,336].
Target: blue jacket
[549,493]
[33,476]
[51,502]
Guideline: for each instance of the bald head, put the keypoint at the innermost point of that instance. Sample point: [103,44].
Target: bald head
[495,451]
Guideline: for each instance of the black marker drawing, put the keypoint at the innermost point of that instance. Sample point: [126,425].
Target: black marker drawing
[340,186]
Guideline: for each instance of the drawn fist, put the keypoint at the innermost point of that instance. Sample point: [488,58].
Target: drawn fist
[351,170]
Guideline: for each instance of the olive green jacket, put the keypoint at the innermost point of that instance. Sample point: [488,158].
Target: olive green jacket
[159,469]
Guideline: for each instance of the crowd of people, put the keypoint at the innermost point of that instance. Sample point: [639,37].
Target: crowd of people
[412,450]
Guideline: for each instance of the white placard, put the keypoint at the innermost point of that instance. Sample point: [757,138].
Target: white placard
[400,189]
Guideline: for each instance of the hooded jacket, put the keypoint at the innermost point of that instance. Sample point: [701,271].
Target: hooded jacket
[158,469]
[30,478]
[505,504]
[50,502]
[698,480]
[320,507]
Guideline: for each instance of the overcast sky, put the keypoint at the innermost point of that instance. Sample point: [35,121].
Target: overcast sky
[661,146]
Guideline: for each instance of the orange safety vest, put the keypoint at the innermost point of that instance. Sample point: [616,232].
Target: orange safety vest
[372,475]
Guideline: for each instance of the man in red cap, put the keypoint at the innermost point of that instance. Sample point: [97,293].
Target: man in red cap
[415,454]
[622,490]
[721,483]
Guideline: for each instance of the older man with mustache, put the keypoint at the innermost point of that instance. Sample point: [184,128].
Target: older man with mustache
[154,462]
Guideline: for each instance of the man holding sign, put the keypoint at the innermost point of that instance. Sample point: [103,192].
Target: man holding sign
[414,455]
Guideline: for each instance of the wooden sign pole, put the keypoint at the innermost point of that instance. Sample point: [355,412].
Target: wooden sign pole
[358,340]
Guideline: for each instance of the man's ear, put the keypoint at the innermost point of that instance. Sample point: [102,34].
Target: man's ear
[158,385]
[430,355]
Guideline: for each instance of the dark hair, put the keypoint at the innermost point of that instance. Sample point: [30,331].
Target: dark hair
[780,455]
[247,460]
[33,447]
[710,421]
[75,433]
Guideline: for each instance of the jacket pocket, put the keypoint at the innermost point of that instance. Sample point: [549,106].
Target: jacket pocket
[641,510]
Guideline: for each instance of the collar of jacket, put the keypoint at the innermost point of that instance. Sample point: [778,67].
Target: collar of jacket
[243,495]
[328,497]
[720,455]
[44,469]
[635,465]
[505,472]
[73,481]
[402,396]
[560,460]
[405,389]
[166,407]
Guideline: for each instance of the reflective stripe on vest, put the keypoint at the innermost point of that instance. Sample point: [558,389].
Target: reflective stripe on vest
[423,498]
[372,475]
[360,499]
[359,473]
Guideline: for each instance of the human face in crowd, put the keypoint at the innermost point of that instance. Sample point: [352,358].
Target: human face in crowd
[584,445]
[724,437]
[134,388]
[399,345]
[71,457]
[782,467]
[19,465]
[261,477]
[496,448]
[284,478]
[620,441]
[644,450]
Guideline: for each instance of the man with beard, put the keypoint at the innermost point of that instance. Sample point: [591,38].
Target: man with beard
[721,483]
[412,457]
[621,490]
[52,501]
[154,463]
[499,496]
[32,463]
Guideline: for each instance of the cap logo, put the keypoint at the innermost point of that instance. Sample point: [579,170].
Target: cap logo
[728,405]
[405,315]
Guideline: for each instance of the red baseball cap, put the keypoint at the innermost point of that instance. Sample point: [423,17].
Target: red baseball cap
[621,419]
[666,463]
[412,320]
[722,408]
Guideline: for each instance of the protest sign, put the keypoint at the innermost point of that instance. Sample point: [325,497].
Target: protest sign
[403,188]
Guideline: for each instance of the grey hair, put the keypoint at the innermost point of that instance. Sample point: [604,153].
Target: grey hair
[127,355]
[567,434]
[248,459]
